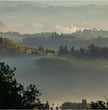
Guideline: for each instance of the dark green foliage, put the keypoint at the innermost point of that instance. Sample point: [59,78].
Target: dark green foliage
[92,51]
[98,105]
[13,94]
[63,50]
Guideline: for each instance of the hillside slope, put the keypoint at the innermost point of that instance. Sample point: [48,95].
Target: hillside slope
[7,47]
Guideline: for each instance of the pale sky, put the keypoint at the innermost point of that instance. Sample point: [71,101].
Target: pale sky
[60,16]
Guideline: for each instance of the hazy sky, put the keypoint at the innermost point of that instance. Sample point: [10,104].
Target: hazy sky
[60,16]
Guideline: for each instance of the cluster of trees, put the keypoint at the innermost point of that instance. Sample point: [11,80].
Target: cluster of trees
[42,51]
[14,95]
[99,105]
[92,51]
[7,47]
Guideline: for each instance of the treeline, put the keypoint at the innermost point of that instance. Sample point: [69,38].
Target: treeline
[8,47]
[91,51]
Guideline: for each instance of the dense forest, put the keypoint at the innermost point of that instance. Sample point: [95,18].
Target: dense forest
[92,51]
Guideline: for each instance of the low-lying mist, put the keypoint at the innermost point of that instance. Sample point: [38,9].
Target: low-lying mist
[61,79]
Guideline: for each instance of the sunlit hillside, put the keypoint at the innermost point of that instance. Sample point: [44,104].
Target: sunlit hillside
[7,47]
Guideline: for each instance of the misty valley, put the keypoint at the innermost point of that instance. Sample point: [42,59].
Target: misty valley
[54,55]
[62,75]
[79,77]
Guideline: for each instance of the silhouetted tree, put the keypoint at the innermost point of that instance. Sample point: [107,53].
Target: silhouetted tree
[72,52]
[66,50]
[63,50]
[13,94]
[98,105]
[82,52]
[91,51]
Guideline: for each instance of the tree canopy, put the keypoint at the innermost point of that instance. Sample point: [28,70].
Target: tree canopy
[13,94]
[99,105]
[92,51]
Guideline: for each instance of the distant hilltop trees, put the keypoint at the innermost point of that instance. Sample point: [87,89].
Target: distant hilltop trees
[52,40]
[92,51]
[1,40]
[8,47]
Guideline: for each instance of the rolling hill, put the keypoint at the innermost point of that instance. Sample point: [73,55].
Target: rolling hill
[7,47]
